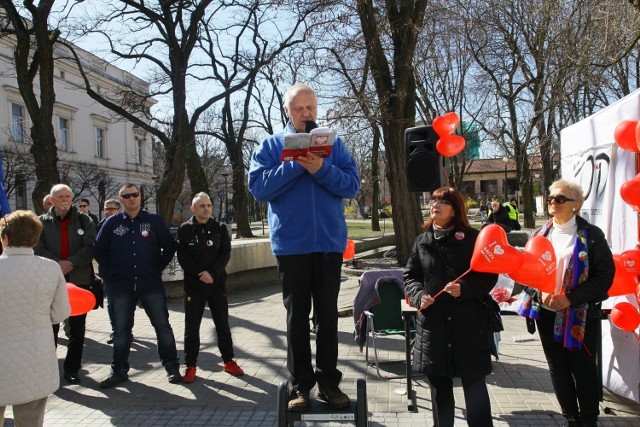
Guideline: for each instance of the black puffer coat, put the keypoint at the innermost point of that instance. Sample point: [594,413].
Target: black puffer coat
[452,336]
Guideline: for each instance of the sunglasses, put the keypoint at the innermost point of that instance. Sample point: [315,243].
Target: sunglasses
[130,195]
[83,206]
[111,209]
[559,199]
[440,202]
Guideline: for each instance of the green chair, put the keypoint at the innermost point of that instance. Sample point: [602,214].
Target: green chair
[384,319]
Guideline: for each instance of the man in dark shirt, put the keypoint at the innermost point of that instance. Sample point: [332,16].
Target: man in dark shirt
[85,207]
[132,249]
[204,250]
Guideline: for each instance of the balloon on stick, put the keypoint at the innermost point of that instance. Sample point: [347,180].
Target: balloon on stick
[623,282]
[451,145]
[446,124]
[625,135]
[538,268]
[493,254]
[81,300]
[631,261]
[454,120]
[625,316]
[630,192]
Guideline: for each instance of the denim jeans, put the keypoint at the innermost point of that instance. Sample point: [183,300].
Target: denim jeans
[154,303]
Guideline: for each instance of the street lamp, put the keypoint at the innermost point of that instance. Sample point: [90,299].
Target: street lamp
[226,202]
[506,161]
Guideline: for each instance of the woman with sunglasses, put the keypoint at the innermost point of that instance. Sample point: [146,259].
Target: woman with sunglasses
[452,329]
[568,319]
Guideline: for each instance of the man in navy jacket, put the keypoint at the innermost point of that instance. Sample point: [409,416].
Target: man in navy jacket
[132,248]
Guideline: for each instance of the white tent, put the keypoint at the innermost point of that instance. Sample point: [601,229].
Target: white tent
[590,157]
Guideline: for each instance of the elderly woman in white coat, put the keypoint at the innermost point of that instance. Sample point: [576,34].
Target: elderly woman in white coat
[33,296]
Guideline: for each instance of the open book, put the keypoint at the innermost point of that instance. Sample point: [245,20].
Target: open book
[319,141]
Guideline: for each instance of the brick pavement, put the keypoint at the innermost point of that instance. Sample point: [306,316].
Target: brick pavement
[520,388]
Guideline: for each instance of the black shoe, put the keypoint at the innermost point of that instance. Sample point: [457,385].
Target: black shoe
[110,340]
[174,376]
[72,378]
[113,380]
[334,397]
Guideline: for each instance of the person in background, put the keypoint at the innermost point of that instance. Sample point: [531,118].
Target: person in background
[498,215]
[204,250]
[514,214]
[67,238]
[47,202]
[34,295]
[111,207]
[308,235]
[132,249]
[85,207]
[452,330]
[568,319]
[484,211]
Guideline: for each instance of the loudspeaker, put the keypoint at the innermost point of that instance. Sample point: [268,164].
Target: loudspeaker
[425,167]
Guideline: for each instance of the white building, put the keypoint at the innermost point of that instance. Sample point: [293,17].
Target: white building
[87,133]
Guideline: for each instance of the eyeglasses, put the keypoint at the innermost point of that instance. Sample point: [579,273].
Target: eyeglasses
[440,202]
[83,206]
[110,209]
[130,195]
[559,199]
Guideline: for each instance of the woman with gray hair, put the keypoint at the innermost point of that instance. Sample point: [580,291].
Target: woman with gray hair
[34,296]
[568,319]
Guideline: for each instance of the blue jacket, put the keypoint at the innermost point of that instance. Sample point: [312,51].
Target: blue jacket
[306,212]
[133,252]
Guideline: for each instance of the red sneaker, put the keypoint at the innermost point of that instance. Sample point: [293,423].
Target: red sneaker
[233,368]
[189,375]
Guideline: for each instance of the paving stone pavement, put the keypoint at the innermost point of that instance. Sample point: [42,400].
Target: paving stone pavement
[520,388]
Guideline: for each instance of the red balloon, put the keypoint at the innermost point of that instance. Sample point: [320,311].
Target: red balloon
[493,254]
[623,282]
[538,268]
[454,120]
[625,135]
[81,300]
[631,261]
[638,294]
[450,145]
[625,316]
[446,124]
[638,135]
[630,192]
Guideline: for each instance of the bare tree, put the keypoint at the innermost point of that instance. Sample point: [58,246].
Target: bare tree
[392,56]
[33,59]
[17,165]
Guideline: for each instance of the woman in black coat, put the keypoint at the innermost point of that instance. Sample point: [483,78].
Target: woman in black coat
[452,331]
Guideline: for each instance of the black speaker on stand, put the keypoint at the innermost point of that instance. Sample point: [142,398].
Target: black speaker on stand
[425,167]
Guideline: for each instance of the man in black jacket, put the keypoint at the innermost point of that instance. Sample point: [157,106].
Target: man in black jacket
[204,249]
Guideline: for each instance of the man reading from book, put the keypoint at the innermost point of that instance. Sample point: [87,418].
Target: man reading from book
[308,235]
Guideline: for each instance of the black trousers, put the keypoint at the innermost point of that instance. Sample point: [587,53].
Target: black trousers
[306,278]
[76,342]
[194,305]
[574,374]
[476,399]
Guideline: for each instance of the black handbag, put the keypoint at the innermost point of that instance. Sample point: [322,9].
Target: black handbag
[96,287]
[493,314]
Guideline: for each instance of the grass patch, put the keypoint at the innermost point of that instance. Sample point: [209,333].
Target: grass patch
[362,229]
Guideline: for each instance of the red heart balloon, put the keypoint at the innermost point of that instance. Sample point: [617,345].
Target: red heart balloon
[450,145]
[625,316]
[630,192]
[538,268]
[631,261]
[454,121]
[81,300]
[638,294]
[442,125]
[493,254]
[638,135]
[623,282]
[625,135]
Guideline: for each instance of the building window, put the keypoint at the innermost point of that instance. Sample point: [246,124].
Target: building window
[100,142]
[139,151]
[17,122]
[65,134]
[21,194]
